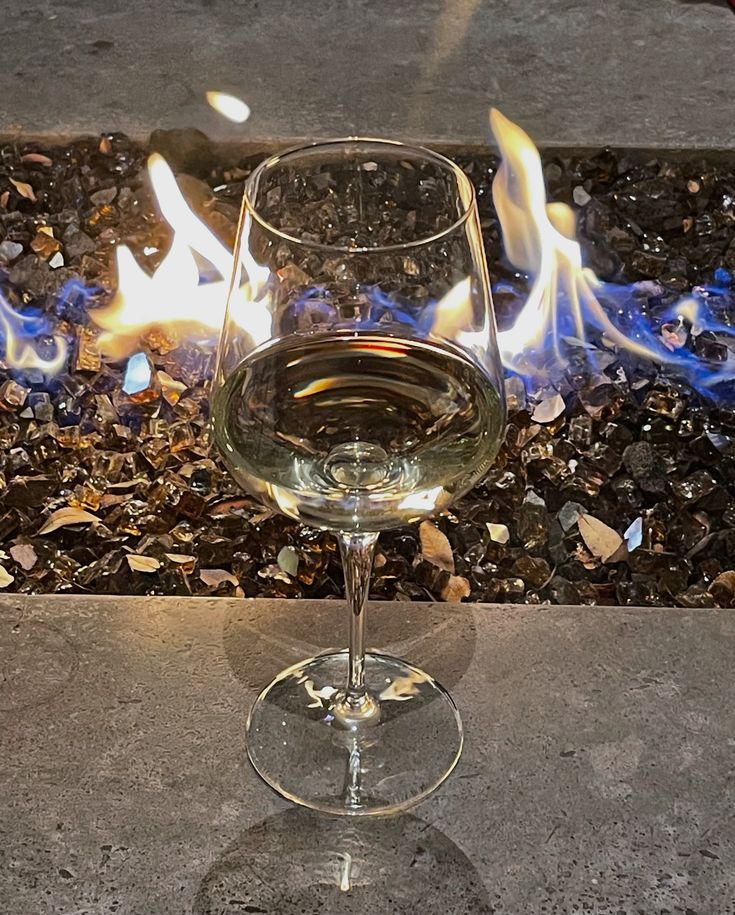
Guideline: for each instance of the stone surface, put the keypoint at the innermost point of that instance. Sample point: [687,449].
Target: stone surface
[596,775]
[626,72]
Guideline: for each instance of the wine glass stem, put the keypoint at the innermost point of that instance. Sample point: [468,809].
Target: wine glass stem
[358,551]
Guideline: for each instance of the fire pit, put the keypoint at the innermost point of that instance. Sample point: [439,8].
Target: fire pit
[615,484]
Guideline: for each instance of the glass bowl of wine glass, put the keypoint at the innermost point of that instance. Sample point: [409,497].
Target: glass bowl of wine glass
[358,388]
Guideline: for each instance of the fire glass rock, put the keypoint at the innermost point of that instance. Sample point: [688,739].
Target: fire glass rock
[695,487]
[603,401]
[45,244]
[534,570]
[532,525]
[709,348]
[88,357]
[79,440]
[668,403]
[562,591]
[515,394]
[505,590]
[75,242]
[9,251]
[604,458]
[569,515]
[580,431]
[12,395]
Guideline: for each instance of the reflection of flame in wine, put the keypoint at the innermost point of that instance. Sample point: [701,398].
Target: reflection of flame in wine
[425,500]
[285,500]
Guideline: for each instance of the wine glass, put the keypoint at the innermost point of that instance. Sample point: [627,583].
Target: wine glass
[358,387]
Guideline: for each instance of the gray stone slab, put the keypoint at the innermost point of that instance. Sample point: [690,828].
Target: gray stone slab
[597,774]
[574,73]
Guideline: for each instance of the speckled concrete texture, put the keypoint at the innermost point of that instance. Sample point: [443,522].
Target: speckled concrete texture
[572,72]
[597,774]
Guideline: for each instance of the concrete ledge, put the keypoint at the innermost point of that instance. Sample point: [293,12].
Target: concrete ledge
[597,774]
[624,72]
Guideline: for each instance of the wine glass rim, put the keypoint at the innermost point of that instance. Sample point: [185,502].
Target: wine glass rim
[464,184]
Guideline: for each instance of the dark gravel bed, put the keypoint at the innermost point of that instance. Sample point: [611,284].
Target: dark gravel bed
[623,494]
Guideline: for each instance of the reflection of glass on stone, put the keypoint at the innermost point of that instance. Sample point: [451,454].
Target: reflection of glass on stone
[298,862]
[358,388]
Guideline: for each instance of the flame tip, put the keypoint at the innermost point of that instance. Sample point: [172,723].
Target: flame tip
[228,105]
[178,296]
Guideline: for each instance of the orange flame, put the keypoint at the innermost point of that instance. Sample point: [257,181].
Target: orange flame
[174,295]
[539,239]
[229,106]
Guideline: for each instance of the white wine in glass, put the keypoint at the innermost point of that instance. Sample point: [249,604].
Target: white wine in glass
[358,388]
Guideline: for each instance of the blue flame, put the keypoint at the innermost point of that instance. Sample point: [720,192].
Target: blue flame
[29,335]
[24,334]
[645,312]
[566,301]
[673,332]
[389,308]
[74,299]
[669,325]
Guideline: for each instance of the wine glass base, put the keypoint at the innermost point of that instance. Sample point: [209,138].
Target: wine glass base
[383,766]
